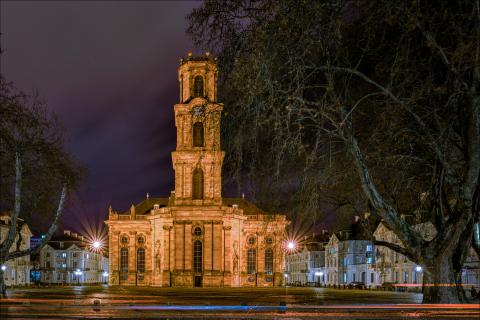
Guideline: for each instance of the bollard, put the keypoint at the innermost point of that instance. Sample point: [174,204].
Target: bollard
[96,305]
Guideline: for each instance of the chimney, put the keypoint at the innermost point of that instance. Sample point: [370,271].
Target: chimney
[74,234]
[357,218]
[235,206]
[67,232]
[156,206]
[80,237]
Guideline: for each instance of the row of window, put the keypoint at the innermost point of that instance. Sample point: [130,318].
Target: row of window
[125,240]
[124,260]
[198,258]
[64,255]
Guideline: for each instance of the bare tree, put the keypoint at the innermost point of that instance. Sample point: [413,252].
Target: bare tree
[33,164]
[374,98]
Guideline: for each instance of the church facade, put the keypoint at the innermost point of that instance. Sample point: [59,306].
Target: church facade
[195,237]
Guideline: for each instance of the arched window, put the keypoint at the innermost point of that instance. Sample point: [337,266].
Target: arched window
[197,256]
[124,260]
[198,87]
[269,261]
[197,231]
[197,184]
[141,260]
[198,134]
[124,240]
[251,261]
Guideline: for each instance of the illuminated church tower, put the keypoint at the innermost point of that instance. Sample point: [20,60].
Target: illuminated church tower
[195,237]
[197,160]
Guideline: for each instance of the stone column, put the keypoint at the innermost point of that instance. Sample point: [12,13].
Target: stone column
[207,246]
[132,257]
[227,255]
[217,246]
[167,264]
[188,245]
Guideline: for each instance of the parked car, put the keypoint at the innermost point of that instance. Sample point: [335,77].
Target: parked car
[388,286]
[356,285]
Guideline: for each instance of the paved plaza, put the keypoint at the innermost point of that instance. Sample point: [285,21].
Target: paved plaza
[230,303]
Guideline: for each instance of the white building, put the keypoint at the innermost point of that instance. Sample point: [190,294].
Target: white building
[350,259]
[70,259]
[393,267]
[16,271]
[307,265]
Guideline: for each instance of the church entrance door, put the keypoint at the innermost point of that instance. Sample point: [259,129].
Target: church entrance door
[198,281]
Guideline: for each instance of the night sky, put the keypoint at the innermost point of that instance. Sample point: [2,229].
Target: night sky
[109,71]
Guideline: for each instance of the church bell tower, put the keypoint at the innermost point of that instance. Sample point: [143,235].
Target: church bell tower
[198,159]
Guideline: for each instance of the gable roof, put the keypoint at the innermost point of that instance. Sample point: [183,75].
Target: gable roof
[146,205]
[248,207]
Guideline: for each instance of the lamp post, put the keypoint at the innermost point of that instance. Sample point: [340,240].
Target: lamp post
[418,269]
[105,275]
[78,273]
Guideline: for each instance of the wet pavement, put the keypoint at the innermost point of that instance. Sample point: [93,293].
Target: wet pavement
[90,302]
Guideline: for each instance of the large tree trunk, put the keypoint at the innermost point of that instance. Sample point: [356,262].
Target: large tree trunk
[3,287]
[439,281]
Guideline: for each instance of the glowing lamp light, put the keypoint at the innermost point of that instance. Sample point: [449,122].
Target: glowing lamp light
[4,267]
[418,269]
[291,245]
[285,275]
[319,274]
[105,274]
[96,244]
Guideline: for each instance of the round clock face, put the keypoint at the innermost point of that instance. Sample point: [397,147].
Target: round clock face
[198,111]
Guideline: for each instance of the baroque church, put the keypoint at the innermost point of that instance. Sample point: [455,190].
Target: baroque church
[195,237]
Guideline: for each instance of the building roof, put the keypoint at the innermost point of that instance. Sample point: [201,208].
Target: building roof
[248,207]
[146,205]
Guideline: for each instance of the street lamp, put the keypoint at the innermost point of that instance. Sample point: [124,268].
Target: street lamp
[4,267]
[78,273]
[290,245]
[418,269]
[96,244]
[105,275]
[319,274]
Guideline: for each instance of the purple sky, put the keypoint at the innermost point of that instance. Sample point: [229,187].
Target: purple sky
[109,71]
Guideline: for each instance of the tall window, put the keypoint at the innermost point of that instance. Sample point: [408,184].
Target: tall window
[141,260]
[197,187]
[124,260]
[198,134]
[198,87]
[269,261]
[197,256]
[251,261]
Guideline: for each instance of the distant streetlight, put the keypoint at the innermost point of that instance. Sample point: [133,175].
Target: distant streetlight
[78,273]
[291,245]
[96,244]
[105,275]
[4,267]
[418,269]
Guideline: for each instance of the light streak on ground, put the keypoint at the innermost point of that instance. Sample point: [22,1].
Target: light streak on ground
[432,285]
